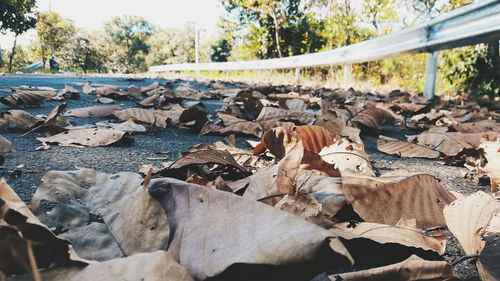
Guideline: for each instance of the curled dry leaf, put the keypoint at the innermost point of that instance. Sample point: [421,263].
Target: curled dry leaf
[347,156]
[20,99]
[326,190]
[414,268]
[407,236]
[301,204]
[155,266]
[389,200]
[150,116]
[107,91]
[93,111]
[277,114]
[223,227]
[492,155]
[5,145]
[475,222]
[373,117]
[127,126]
[21,118]
[293,104]
[105,216]
[88,137]
[21,231]
[87,88]
[405,149]
[482,126]
[451,143]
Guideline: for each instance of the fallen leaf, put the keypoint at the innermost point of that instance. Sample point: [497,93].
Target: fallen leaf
[383,233]
[104,100]
[155,266]
[20,99]
[5,145]
[223,227]
[482,126]
[347,156]
[277,114]
[388,200]
[87,88]
[105,216]
[450,143]
[127,126]
[150,116]
[101,111]
[21,118]
[492,155]
[414,268]
[405,149]
[372,117]
[475,222]
[88,137]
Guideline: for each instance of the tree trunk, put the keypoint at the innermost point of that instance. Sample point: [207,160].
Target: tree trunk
[277,34]
[12,54]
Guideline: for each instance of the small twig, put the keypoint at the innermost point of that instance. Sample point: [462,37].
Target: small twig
[271,196]
[464,258]
[33,266]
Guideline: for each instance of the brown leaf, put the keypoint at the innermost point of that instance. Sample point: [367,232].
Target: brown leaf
[274,182]
[223,227]
[293,104]
[127,126]
[150,116]
[21,231]
[87,88]
[407,236]
[106,216]
[326,190]
[20,99]
[475,222]
[414,268]
[482,126]
[106,91]
[314,138]
[405,149]
[276,114]
[88,137]
[492,154]
[21,118]
[450,143]
[347,156]
[101,111]
[155,266]
[193,117]
[5,145]
[388,200]
[373,117]
[301,204]
[208,156]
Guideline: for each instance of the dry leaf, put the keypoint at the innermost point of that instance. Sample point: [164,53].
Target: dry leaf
[20,99]
[450,143]
[21,118]
[373,117]
[102,111]
[5,145]
[150,116]
[405,149]
[87,88]
[223,227]
[407,236]
[414,268]
[21,231]
[388,200]
[492,155]
[88,137]
[155,266]
[475,222]
[276,114]
[127,126]
[482,126]
[105,216]
[347,156]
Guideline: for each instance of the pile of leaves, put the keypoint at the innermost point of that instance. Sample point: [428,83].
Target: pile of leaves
[302,203]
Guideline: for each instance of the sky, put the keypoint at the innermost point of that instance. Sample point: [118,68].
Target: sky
[91,14]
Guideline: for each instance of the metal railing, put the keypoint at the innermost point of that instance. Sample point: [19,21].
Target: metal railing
[476,23]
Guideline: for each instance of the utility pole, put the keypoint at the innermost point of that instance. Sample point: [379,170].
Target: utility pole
[196,42]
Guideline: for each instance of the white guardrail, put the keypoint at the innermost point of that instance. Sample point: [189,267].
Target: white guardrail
[475,23]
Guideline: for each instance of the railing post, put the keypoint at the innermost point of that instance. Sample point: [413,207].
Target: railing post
[297,73]
[347,73]
[430,75]
[227,75]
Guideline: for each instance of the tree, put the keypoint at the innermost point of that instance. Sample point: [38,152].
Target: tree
[87,53]
[131,34]
[53,32]
[265,20]
[221,50]
[16,16]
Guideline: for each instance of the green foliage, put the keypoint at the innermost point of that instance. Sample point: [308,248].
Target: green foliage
[53,33]
[17,16]
[221,51]
[130,33]
[84,54]
[171,46]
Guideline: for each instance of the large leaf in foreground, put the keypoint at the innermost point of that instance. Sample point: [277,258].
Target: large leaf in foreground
[413,268]
[155,266]
[390,200]
[475,222]
[105,216]
[492,154]
[213,230]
